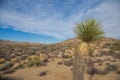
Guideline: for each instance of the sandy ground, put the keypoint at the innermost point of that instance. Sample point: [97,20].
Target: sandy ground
[56,72]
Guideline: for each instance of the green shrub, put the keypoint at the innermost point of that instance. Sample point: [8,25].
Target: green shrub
[30,63]
[35,61]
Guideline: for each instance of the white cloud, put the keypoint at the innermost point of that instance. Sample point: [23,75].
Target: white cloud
[42,20]
[53,19]
[109,13]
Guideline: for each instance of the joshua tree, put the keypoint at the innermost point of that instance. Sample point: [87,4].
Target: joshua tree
[88,31]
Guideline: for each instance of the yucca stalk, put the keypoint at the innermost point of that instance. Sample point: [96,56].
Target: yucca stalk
[88,31]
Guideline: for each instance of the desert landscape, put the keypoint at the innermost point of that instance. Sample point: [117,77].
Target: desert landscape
[55,60]
[59,39]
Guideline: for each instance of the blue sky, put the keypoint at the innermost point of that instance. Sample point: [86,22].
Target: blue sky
[50,21]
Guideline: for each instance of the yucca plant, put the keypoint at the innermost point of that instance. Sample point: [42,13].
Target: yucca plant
[88,31]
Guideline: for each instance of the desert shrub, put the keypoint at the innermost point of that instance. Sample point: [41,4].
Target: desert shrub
[100,63]
[102,72]
[45,60]
[116,55]
[31,52]
[6,66]
[3,77]
[43,73]
[112,67]
[21,66]
[7,58]
[65,56]
[107,63]
[1,54]
[91,71]
[52,59]
[70,56]
[102,53]
[23,57]
[68,63]
[17,67]
[118,71]
[30,63]
[60,63]
[99,60]
[9,71]
[71,69]
[18,54]
[35,61]
[113,60]
[108,59]
[12,56]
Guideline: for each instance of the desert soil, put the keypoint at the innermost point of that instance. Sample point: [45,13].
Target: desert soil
[55,72]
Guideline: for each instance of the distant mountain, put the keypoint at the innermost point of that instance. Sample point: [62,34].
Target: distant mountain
[18,43]
[66,43]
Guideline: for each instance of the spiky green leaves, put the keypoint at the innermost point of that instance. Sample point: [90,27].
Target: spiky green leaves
[89,30]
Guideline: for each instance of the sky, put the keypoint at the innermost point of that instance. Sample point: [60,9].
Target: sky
[51,21]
